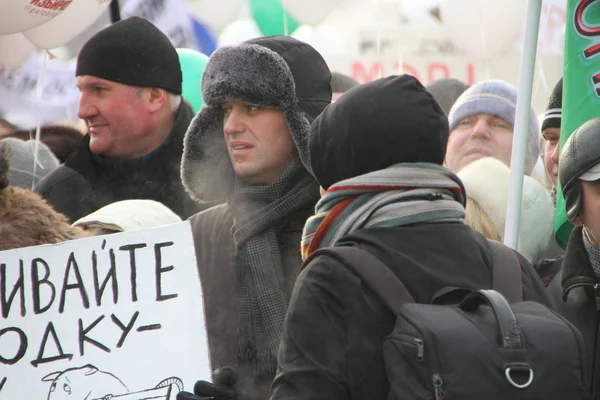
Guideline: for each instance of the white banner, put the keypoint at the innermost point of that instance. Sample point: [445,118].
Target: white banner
[170,16]
[429,68]
[118,315]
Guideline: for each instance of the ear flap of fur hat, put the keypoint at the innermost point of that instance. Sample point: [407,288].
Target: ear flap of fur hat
[486,181]
[249,73]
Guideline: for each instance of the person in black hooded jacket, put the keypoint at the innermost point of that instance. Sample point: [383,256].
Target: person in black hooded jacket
[377,152]
[575,290]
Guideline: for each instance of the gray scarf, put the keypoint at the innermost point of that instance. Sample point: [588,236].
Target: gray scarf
[259,211]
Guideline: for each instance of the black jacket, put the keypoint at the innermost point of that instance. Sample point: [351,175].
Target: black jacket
[575,295]
[83,184]
[335,325]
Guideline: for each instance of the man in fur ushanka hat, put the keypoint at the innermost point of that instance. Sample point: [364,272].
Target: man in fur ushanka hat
[244,148]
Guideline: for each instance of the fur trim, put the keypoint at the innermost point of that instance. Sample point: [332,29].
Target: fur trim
[248,73]
[486,181]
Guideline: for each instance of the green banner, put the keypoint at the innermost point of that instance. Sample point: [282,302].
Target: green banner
[581,85]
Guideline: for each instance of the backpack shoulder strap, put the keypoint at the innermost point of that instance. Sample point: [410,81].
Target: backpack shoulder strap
[382,281]
[506,272]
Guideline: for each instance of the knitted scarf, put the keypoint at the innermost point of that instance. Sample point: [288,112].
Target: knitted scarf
[400,195]
[258,212]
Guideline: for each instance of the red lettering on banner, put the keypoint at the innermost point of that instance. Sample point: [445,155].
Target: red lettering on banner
[432,67]
[470,74]
[588,32]
[359,72]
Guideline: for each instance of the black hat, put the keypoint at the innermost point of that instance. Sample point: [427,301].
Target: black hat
[579,160]
[274,72]
[553,115]
[133,52]
[446,91]
[375,125]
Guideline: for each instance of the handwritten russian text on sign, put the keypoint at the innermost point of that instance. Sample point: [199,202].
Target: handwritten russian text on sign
[118,315]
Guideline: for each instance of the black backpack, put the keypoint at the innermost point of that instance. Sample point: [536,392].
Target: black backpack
[481,348]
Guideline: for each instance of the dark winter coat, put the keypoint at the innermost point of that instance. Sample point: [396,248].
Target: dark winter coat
[576,296]
[215,253]
[335,325]
[82,185]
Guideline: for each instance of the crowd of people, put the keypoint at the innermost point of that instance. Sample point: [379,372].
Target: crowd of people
[286,159]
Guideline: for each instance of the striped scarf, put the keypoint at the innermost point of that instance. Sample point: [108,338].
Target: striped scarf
[400,195]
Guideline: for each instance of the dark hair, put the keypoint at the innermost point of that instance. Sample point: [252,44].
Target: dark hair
[4,165]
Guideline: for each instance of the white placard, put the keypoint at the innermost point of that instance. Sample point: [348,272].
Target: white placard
[118,315]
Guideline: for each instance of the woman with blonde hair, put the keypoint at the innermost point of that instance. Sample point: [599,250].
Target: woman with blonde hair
[486,182]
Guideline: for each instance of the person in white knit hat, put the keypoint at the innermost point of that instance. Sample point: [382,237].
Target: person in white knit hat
[127,215]
[486,184]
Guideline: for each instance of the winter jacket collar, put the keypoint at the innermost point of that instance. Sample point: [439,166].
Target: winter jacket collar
[86,163]
[577,270]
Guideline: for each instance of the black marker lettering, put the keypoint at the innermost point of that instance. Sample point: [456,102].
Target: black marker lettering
[125,329]
[111,274]
[84,338]
[36,283]
[131,248]
[22,346]
[160,270]
[72,263]
[19,286]
[61,355]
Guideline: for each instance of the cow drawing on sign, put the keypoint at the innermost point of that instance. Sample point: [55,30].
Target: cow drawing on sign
[89,383]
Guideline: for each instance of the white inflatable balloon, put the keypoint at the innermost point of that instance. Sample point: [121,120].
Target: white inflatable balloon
[483,29]
[237,32]
[20,15]
[70,23]
[325,39]
[311,12]
[14,50]
[216,14]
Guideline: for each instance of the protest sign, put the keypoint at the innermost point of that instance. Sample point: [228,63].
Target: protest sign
[118,315]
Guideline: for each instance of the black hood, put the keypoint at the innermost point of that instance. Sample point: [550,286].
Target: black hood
[374,126]
[275,72]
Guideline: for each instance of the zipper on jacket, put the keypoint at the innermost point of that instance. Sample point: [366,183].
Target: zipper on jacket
[420,350]
[437,387]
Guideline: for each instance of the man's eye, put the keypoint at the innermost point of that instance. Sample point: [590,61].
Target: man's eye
[465,121]
[252,108]
[226,111]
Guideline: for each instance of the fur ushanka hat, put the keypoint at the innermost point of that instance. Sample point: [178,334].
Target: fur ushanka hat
[274,72]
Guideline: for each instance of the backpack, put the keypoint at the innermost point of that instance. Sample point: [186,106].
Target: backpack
[479,348]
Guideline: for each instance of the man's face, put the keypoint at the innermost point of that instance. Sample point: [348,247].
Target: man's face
[589,213]
[478,136]
[115,115]
[258,140]
[551,152]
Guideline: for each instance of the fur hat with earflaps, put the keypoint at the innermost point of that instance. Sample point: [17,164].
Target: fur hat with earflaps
[273,72]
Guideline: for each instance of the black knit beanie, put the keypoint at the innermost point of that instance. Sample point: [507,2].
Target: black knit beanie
[133,52]
[374,126]
[553,115]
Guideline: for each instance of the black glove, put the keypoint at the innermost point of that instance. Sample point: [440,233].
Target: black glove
[223,387]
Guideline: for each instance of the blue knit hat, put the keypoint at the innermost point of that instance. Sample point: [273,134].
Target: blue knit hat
[499,98]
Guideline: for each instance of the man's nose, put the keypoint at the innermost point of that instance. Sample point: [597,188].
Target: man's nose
[555,153]
[86,108]
[481,129]
[234,123]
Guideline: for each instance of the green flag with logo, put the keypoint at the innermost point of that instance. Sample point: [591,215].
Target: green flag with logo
[581,85]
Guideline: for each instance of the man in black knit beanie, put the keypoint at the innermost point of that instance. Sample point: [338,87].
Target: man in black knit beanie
[130,81]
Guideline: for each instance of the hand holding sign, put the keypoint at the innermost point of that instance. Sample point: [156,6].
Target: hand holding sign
[223,387]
